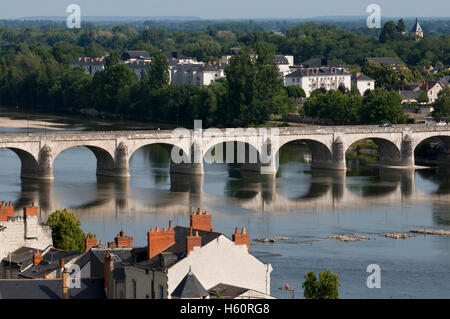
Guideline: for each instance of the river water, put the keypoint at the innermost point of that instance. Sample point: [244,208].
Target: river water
[302,204]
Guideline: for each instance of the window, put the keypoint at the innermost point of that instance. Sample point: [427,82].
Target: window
[161,292]
[133,289]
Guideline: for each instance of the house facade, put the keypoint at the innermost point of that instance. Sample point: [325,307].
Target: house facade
[213,258]
[19,231]
[196,74]
[311,79]
[363,83]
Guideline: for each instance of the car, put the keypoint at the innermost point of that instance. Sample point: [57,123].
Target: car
[385,125]
[441,123]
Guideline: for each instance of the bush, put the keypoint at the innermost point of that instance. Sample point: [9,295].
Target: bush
[66,231]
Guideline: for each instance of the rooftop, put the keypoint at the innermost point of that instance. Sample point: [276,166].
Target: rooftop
[189,287]
[91,288]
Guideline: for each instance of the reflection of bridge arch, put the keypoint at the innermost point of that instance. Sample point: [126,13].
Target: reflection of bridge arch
[113,198]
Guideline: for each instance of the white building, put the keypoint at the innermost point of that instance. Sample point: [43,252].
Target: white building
[139,67]
[196,74]
[90,65]
[284,64]
[161,268]
[363,83]
[19,231]
[311,79]
[417,29]
[233,51]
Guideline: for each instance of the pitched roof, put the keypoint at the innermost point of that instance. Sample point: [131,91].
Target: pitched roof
[49,263]
[91,288]
[409,94]
[174,253]
[445,80]
[280,59]
[22,256]
[363,77]
[227,291]
[96,257]
[383,61]
[189,287]
[137,54]
[318,62]
[324,71]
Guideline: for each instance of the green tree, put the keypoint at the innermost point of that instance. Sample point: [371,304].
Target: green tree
[389,32]
[423,97]
[157,76]
[66,231]
[295,91]
[442,104]
[327,287]
[383,106]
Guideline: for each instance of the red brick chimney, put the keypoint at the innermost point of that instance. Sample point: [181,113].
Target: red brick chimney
[157,240]
[90,241]
[241,239]
[121,241]
[61,263]
[201,221]
[30,211]
[6,210]
[192,241]
[37,258]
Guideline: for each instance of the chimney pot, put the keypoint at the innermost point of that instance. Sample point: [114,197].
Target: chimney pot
[170,225]
[61,263]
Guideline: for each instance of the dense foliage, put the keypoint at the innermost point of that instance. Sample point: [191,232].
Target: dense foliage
[327,287]
[66,231]
[34,69]
[378,107]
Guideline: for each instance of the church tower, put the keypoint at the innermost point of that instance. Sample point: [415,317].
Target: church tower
[417,29]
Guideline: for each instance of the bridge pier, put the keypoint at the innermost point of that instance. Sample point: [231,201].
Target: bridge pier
[337,161]
[42,170]
[191,164]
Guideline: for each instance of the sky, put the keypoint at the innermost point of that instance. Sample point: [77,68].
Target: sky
[226,9]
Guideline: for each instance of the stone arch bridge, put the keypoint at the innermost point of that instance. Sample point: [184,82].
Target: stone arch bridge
[113,150]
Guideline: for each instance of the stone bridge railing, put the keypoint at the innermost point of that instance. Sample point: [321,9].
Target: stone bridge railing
[189,148]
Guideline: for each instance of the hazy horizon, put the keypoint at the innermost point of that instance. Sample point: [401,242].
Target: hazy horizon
[234,9]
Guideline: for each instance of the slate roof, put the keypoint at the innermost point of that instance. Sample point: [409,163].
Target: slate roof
[445,80]
[318,62]
[189,287]
[49,263]
[199,67]
[280,59]
[227,291]
[321,72]
[97,258]
[22,257]
[174,253]
[409,94]
[136,54]
[363,77]
[91,288]
[384,61]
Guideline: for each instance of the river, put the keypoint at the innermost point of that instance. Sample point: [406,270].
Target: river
[302,204]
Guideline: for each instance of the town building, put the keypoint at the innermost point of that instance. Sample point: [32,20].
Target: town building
[179,58]
[22,231]
[285,63]
[384,61]
[135,55]
[234,51]
[181,260]
[311,79]
[363,83]
[90,288]
[90,65]
[319,63]
[417,29]
[196,74]
[412,90]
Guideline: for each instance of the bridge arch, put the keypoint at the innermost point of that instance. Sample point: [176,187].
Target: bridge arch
[388,151]
[105,163]
[28,162]
[321,153]
[433,148]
